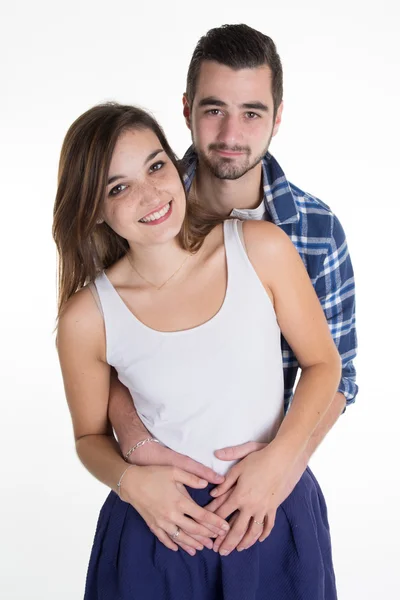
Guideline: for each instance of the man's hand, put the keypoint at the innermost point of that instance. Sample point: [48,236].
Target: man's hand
[156,454]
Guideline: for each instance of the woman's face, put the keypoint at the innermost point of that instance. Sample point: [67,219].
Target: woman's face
[145,201]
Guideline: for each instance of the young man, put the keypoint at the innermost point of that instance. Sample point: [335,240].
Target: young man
[233,108]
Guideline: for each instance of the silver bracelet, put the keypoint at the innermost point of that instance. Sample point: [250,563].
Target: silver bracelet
[120,480]
[136,446]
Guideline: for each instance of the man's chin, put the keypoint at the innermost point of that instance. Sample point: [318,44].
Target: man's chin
[228,172]
[229,176]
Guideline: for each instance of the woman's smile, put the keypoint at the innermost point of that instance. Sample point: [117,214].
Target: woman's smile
[158,216]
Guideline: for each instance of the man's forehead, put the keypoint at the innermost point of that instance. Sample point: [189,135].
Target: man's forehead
[239,86]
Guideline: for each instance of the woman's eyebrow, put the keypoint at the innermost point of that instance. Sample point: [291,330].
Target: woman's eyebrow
[114,178]
[148,159]
[153,155]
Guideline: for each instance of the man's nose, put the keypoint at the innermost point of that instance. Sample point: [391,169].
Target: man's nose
[230,132]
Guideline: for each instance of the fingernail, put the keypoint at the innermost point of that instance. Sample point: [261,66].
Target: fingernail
[192,551]
[224,552]
[240,549]
[209,545]
[203,482]
[200,547]
[219,477]
[225,527]
[213,493]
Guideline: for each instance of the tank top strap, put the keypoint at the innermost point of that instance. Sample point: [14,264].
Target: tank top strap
[118,322]
[242,277]
[106,292]
[236,255]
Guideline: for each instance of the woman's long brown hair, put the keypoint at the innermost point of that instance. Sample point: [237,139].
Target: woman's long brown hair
[86,248]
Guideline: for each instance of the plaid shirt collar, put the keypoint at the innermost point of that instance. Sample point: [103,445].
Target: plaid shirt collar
[278,196]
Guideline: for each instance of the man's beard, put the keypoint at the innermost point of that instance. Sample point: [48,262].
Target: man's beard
[225,168]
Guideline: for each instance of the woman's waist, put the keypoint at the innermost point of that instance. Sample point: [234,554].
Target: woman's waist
[199,441]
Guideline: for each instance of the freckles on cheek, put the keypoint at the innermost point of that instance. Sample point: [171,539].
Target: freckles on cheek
[116,216]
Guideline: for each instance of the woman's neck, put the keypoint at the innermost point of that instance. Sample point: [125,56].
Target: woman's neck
[159,263]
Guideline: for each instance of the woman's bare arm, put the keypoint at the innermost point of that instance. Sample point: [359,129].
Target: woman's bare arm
[156,492]
[303,323]
[304,326]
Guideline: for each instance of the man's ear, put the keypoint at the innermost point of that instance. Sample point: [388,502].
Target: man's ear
[186,109]
[278,119]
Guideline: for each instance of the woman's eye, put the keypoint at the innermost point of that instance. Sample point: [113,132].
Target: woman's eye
[117,189]
[157,166]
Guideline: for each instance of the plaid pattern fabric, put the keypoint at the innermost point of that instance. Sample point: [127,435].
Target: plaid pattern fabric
[320,240]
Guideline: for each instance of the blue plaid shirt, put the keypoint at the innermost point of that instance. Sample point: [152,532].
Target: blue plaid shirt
[320,240]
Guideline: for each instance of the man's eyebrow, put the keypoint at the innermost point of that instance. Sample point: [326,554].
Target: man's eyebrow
[256,105]
[211,101]
[148,159]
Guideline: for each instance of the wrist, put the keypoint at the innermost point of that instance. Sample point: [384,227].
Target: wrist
[285,452]
[124,485]
[129,454]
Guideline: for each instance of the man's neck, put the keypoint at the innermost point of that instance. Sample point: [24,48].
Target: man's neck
[221,196]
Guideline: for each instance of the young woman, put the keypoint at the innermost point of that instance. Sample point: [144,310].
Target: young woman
[189,311]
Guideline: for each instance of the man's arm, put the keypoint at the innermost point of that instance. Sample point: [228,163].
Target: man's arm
[130,430]
[126,423]
[336,291]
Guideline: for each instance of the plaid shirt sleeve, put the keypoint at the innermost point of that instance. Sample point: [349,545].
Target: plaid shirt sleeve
[336,292]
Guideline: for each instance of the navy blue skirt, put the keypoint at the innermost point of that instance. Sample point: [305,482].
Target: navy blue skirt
[293,563]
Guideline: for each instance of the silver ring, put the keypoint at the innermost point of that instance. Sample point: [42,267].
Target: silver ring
[259,522]
[176,534]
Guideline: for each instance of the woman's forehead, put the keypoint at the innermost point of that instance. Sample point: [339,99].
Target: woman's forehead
[133,147]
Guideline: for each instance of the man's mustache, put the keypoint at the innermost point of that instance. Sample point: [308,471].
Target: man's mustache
[224,147]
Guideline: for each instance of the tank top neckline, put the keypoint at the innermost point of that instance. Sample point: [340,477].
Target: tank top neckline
[233,228]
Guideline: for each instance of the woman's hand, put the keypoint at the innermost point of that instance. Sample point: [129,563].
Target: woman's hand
[255,488]
[159,495]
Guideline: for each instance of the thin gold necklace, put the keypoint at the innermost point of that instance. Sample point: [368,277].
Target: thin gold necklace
[158,287]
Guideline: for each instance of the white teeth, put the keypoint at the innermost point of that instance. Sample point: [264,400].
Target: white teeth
[156,215]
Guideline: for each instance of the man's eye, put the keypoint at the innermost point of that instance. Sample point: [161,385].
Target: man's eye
[157,166]
[214,111]
[251,115]
[118,189]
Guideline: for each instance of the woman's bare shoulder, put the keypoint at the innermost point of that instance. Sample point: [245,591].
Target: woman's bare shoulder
[263,237]
[80,317]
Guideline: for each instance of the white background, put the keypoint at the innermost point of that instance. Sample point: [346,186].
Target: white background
[339,140]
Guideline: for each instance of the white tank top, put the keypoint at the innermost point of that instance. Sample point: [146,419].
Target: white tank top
[215,385]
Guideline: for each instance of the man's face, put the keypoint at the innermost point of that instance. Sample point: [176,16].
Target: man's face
[231,119]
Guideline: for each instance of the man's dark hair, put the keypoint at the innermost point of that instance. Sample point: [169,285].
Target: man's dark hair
[238,47]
